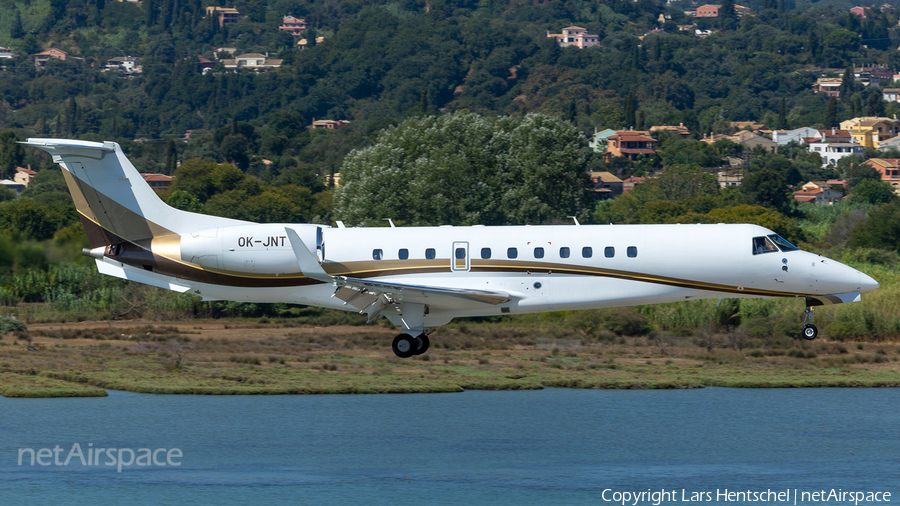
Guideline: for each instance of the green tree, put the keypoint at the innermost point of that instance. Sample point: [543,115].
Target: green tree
[855,170]
[681,182]
[830,119]
[768,188]
[630,110]
[171,157]
[466,169]
[11,153]
[847,84]
[782,115]
[15,29]
[185,201]
[873,191]
[880,230]
[875,104]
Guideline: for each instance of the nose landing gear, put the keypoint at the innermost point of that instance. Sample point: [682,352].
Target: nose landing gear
[809,330]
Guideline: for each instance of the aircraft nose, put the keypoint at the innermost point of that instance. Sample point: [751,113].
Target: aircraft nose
[866,283]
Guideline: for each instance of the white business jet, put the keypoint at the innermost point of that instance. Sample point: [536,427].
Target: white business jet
[422,277]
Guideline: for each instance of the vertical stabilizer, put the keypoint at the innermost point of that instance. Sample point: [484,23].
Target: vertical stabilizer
[112,198]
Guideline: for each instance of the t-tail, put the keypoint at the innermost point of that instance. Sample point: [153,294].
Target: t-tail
[117,207]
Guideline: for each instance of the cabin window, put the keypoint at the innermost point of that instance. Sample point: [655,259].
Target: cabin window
[460,253]
[512,253]
[485,253]
[762,245]
[403,254]
[587,252]
[538,252]
[631,251]
[429,253]
[563,252]
[377,254]
[609,252]
[782,243]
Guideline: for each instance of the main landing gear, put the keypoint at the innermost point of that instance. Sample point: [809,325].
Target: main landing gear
[405,346]
[809,330]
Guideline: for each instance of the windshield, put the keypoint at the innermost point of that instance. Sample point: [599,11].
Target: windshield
[782,243]
[763,244]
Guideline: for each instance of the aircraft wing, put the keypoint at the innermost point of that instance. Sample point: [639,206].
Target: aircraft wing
[373,296]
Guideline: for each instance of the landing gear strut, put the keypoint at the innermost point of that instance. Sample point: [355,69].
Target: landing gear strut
[809,330]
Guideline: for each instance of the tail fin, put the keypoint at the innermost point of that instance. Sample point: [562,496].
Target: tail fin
[114,201]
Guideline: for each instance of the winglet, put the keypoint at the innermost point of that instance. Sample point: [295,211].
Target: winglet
[309,265]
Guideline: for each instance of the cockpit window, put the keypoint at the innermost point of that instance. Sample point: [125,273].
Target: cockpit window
[782,243]
[762,245]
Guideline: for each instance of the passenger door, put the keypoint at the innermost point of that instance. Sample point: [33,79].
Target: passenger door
[459,256]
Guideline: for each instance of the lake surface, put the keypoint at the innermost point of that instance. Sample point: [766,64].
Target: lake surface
[551,446]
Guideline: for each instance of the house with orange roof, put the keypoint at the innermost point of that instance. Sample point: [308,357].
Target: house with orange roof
[679,130]
[292,25]
[24,176]
[631,182]
[889,168]
[41,59]
[630,145]
[224,15]
[158,181]
[818,193]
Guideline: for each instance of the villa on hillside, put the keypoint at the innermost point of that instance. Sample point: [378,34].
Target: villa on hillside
[224,15]
[252,61]
[889,168]
[630,145]
[575,36]
[41,59]
[830,86]
[292,25]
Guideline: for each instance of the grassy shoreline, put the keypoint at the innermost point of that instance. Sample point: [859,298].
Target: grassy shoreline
[227,358]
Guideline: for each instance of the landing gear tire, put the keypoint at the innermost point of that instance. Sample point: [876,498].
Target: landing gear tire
[422,343]
[810,331]
[404,346]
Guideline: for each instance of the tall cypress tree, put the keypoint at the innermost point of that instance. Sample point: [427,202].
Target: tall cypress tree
[782,116]
[629,110]
[171,157]
[570,111]
[16,31]
[831,113]
[846,88]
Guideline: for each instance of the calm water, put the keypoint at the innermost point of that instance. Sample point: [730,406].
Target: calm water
[542,447]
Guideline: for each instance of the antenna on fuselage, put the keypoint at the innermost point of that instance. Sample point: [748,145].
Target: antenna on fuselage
[576,220]
[390,221]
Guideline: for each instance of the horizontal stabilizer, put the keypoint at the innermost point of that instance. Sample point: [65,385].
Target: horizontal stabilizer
[119,270]
[837,298]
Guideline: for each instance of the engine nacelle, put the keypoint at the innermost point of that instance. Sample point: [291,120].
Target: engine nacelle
[263,249]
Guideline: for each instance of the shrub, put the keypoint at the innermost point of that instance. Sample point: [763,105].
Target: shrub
[8,325]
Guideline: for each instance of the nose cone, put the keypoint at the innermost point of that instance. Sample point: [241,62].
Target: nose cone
[866,283]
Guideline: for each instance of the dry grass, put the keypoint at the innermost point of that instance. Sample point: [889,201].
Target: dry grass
[253,358]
